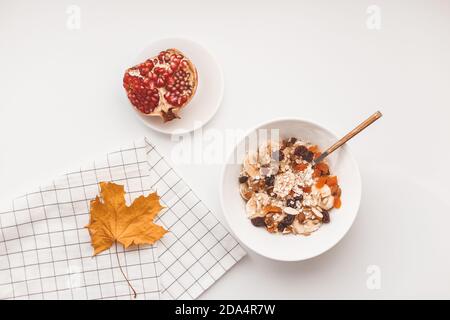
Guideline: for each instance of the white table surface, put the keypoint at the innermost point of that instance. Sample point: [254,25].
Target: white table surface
[62,102]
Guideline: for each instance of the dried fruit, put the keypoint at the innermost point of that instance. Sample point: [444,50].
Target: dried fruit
[243,179]
[290,142]
[322,169]
[335,191]
[287,221]
[300,166]
[304,153]
[321,182]
[301,217]
[291,203]
[272,209]
[258,222]
[308,156]
[300,151]
[270,180]
[326,216]
[313,148]
[332,181]
[337,203]
[161,85]
[316,174]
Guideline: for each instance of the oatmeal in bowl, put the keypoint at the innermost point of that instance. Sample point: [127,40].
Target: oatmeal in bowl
[285,191]
[299,207]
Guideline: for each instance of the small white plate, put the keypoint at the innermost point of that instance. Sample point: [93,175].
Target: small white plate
[292,247]
[206,100]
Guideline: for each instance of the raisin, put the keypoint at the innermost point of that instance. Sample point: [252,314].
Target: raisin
[258,222]
[300,151]
[308,156]
[326,216]
[288,219]
[299,198]
[291,141]
[270,180]
[291,203]
[243,179]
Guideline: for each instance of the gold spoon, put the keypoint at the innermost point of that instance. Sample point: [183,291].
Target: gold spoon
[377,115]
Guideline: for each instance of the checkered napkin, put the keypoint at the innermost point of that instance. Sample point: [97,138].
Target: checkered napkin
[45,251]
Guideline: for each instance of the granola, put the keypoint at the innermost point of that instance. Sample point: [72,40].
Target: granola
[285,192]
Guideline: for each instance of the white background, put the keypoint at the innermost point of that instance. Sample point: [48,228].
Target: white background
[62,103]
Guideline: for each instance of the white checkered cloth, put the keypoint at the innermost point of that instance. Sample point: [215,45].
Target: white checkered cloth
[45,250]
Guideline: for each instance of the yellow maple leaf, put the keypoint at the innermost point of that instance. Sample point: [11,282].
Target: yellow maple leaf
[112,220]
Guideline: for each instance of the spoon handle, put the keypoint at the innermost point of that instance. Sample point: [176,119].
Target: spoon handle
[377,115]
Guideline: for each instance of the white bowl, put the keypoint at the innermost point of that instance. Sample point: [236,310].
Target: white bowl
[207,98]
[292,247]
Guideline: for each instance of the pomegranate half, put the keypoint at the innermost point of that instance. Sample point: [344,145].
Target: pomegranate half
[162,85]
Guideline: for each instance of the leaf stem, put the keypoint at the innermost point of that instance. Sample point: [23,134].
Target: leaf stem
[123,273]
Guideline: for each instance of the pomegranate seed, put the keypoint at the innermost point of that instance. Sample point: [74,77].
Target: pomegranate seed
[160,83]
[145,82]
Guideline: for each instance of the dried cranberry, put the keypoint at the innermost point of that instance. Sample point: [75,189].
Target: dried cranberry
[308,156]
[300,151]
[291,141]
[326,216]
[243,179]
[270,180]
[258,222]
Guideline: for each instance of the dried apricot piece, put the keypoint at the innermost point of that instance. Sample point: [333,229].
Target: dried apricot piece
[335,190]
[272,209]
[314,149]
[332,181]
[323,168]
[317,173]
[321,182]
[337,202]
[300,167]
